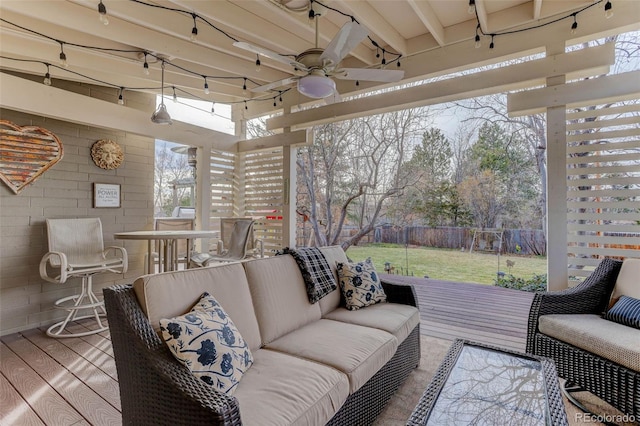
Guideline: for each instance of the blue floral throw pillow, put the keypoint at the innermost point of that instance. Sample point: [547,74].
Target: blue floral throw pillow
[626,311]
[360,284]
[207,342]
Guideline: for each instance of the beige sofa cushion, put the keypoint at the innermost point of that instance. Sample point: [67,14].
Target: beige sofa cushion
[628,281]
[393,318]
[357,351]
[307,393]
[279,296]
[172,294]
[610,340]
[333,254]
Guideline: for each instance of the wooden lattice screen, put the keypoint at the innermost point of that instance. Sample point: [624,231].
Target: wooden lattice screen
[603,186]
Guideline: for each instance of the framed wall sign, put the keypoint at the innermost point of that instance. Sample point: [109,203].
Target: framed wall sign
[106,195]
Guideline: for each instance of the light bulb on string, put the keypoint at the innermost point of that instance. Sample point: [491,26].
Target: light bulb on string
[244,86]
[574,26]
[398,62]
[206,86]
[274,102]
[608,9]
[245,106]
[194,30]
[63,56]
[120,97]
[280,95]
[357,83]
[213,108]
[102,13]
[175,97]
[47,77]
[472,7]
[384,60]
[258,63]
[491,45]
[145,66]
[478,42]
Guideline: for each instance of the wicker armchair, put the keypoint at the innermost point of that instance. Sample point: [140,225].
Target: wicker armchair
[612,382]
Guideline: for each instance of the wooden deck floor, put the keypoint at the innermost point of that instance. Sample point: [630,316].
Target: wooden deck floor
[45,381]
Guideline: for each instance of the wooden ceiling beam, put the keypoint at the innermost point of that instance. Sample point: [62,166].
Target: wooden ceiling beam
[428,17]
[377,25]
[482,83]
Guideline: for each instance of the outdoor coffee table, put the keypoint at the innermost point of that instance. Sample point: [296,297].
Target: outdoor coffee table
[484,385]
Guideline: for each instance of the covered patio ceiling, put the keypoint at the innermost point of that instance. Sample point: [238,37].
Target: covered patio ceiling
[428,38]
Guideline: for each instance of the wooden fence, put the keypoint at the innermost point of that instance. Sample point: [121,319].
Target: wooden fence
[516,241]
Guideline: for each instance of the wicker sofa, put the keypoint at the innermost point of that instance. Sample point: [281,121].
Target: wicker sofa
[313,364]
[597,355]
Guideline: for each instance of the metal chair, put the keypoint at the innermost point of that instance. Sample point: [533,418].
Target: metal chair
[179,248]
[239,244]
[76,249]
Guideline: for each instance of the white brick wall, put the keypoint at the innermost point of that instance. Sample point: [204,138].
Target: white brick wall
[65,190]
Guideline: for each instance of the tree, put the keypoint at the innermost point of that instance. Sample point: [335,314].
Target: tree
[169,167]
[433,196]
[504,172]
[353,170]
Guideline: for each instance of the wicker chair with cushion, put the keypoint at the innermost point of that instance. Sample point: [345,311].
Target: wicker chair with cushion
[591,352]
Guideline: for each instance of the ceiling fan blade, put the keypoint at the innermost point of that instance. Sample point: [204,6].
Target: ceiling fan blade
[349,36]
[369,74]
[268,53]
[273,85]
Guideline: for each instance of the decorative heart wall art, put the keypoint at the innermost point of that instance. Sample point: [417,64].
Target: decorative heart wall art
[26,153]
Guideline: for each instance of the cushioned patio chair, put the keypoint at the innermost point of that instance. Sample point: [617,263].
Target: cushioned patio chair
[76,250]
[236,243]
[592,353]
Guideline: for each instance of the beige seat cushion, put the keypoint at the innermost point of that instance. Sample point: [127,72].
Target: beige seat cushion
[357,351]
[628,281]
[393,318]
[279,296]
[172,294]
[331,301]
[280,390]
[610,340]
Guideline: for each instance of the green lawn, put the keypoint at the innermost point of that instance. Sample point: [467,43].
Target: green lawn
[444,264]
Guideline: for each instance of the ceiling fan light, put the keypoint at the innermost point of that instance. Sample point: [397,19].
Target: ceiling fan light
[161,116]
[316,86]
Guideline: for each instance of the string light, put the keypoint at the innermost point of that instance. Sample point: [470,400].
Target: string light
[245,106]
[257,63]
[357,83]
[145,66]
[244,87]
[63,56]
[312,13]
[384,61]
[213,108]
[280,95]
[274,102]
[574,26]
[472,7]
[120,97]
[491,46]
[608,9]
[206,85]
[194,30]
[47,77]
[478,43]
[102,13]
[175,97]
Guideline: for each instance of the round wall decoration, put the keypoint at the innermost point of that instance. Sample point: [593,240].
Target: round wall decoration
[107,154]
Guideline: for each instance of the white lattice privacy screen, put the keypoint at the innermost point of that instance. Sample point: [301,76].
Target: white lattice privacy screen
[250,184]
[603,191]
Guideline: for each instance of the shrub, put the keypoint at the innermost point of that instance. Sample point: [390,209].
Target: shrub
[537,283]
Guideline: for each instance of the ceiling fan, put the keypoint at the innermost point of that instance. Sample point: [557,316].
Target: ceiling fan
[319,66]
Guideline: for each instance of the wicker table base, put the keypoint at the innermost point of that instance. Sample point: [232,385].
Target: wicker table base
[484,385]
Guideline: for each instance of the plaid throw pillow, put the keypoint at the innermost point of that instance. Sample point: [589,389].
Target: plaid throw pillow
[315,270]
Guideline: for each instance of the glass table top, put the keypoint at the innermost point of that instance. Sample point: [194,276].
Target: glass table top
[488,387]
